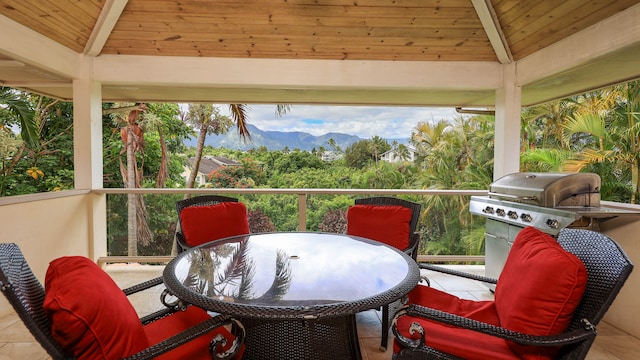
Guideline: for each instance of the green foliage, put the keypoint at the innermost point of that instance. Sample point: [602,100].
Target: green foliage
[162,223]
[381,176]
[365,152]
[318,206]
[44,162]
[595,132]
[297,160]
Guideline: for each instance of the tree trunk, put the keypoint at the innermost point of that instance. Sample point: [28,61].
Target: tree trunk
[196,162]
[161,180]
[132,245]
[192,176]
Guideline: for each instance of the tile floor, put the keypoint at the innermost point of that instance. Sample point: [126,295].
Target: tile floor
[17,343]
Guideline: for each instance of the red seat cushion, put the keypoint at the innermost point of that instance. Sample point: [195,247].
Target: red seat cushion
[90,316]
[197,348]
[387,224]
[201,224]
[539,289]
[466,344]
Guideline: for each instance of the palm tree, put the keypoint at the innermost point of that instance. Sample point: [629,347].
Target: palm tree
[132,135]
[334,146]
[542,125]
[456,154]
[377,146]
[428,137]
[608,136]
[208,120]
[402,152]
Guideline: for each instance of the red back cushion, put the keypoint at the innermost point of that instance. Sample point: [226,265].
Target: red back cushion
[90,316]
[387,224]
[201,224]
[539,288]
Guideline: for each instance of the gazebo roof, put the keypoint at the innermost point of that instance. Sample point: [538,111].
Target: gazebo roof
[289,51]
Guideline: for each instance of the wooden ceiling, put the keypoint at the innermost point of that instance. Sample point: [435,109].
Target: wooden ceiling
[417,30]
[393,30]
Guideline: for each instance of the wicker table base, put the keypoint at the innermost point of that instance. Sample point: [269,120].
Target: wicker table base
[325,339]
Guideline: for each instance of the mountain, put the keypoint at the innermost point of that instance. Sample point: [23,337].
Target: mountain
[275,140]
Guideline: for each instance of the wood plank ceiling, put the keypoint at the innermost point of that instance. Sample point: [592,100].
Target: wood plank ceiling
[313,29]
[407,30]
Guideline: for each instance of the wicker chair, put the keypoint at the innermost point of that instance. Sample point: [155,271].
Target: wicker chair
[205,200]
[607,268]
[27,296]
[411,250]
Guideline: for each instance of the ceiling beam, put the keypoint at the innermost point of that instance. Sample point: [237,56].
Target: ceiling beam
[492,27]
[606,37]
[29,47]
[11,63]
[296,74]
[107,20]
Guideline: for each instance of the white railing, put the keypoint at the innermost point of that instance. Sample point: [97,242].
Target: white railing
[302,207]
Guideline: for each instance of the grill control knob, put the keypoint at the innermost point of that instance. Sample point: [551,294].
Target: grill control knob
[512,215]
[526,217]
[552,223]
[500,212]
[488,210]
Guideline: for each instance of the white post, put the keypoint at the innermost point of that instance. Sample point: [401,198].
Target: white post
[87,138]
[507,128]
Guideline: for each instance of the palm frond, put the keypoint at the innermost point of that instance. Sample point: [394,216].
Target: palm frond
[282,278]
[239,116]
[236,267]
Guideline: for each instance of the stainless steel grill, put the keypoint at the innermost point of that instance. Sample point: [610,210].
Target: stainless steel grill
[546,201]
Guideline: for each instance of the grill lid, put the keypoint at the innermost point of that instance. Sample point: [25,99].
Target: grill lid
[548,189]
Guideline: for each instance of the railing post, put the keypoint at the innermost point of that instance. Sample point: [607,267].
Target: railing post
[302,212]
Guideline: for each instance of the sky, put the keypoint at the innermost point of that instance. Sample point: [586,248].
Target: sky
[362,121]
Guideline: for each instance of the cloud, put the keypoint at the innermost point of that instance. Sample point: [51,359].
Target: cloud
[363,121]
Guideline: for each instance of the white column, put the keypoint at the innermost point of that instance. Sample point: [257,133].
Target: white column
[87,152]
[87,129]
[507,128]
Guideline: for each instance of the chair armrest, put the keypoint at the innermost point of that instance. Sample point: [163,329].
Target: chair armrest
[193,332]
[457,273]
[571,337]
[143,286]
[165,296]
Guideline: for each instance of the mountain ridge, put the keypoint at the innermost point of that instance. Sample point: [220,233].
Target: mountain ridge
[278,140]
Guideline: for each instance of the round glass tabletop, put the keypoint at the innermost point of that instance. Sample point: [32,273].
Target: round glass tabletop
[292,269]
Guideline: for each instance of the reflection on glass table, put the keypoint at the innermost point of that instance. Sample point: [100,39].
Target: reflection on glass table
[296,292]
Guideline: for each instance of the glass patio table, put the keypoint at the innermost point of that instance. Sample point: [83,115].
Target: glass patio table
[296,293]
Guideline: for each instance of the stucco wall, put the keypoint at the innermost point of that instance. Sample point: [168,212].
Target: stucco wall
[623,314]
[47,229]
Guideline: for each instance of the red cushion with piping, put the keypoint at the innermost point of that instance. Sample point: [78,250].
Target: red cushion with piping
[466,344]
[195,349]
[538,290]
[90,315]
[387,224]
[201,224]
